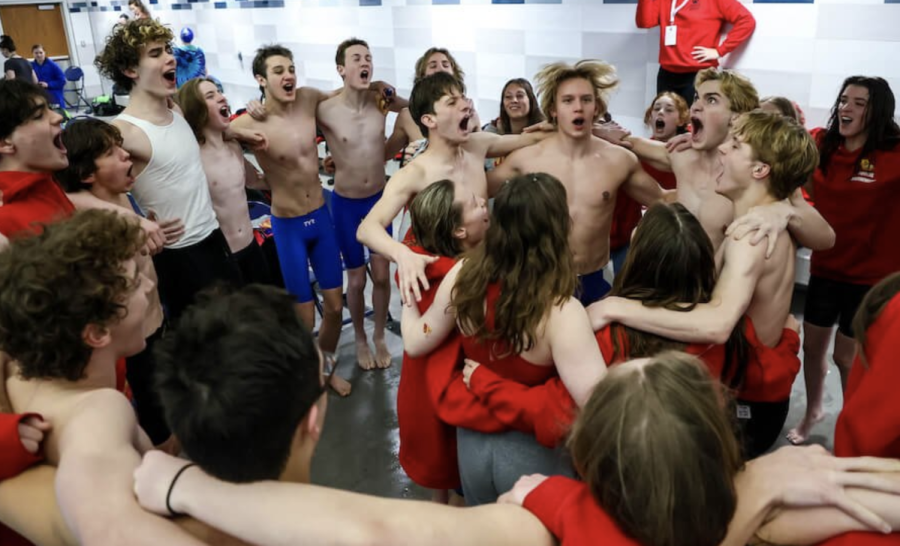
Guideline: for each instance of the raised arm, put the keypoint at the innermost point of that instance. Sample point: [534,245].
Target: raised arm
[708,322]
[422,333]
[651,151]
[284,514]
[502,145]
[410,266]
[575,351]
[94,480]
[507,169]
[640,186]
[806,225]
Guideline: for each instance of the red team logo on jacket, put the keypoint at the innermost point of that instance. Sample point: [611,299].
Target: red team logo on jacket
[866,172]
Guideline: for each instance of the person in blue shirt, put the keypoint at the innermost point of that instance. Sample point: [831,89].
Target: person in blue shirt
[50,75]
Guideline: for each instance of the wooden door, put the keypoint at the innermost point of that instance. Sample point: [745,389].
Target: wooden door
[30,24]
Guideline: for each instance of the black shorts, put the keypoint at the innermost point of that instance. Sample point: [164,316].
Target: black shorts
[830,301]
[183,272]
[760,424]
[253,264]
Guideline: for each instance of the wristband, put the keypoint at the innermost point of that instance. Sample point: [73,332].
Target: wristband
[173,513]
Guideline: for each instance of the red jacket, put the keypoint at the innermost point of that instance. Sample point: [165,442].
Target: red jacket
[700,23]
[28,199]
[860,204]
[869,423]
[567,509]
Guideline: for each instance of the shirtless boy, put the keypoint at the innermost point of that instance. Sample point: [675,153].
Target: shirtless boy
[169,177]
[591,169]
[78,286]
[721,96]
[767,159]
[279,353]
[442,113]
[227,171]
[99,166]
[303,229]
[353,125]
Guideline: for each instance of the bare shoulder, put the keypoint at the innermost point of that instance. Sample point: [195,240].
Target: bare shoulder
[683,157]
[98,415]
[412,175]
[246,121]
[613,153]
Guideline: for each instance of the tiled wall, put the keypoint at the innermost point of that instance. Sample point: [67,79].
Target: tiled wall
[801,50]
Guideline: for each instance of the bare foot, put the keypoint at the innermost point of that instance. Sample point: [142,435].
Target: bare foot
[799,434]
[340,385]
[364,355]
[382,354]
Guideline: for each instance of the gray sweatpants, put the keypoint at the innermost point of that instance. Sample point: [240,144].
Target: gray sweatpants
[490,464]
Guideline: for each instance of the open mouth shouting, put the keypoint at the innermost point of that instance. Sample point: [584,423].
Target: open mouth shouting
[224,111]
[464,124]
[660,124]
[289,87]
[58,143]
[697,126]
[579,122]
[364,76]
[169,76]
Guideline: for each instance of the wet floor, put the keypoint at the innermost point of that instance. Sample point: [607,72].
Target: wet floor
[358,449]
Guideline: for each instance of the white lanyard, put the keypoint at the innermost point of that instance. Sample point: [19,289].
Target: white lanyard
[675,10]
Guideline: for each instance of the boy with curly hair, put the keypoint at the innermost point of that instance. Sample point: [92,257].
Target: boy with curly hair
[72,302]
[169,177]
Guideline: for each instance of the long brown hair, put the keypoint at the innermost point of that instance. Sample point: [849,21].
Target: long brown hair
[435,217]
[527,250]
[534,109]
[671,264]
[870,309]
[193,106]
[658,451]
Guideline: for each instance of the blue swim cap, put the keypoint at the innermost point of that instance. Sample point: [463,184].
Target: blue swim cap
[187,35]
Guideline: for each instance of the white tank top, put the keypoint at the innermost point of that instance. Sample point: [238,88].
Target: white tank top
[173,183]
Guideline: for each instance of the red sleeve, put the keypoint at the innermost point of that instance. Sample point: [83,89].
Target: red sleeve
[647,15]
[453,402]
[548,502]
[568,510]
[547,410]
[13,456]
[744,24]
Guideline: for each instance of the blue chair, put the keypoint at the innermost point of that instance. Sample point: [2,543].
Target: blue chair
[75,75]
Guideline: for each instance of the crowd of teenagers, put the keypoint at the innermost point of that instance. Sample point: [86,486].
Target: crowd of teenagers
[165,381]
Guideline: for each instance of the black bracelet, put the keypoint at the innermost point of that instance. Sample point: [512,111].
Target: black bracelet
[173,513]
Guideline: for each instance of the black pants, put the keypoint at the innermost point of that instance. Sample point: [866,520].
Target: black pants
[183,272]
[253,265]
[760,424]
[678,82]
[139,370]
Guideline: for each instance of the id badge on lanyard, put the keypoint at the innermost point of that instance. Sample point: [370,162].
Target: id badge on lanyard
[671,32]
